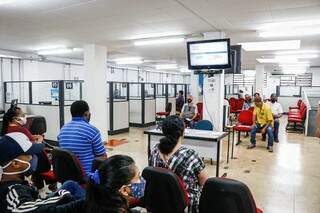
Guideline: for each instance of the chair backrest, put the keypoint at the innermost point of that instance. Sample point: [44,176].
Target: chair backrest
[302,105]
[37,125]
[239,103]
[232,102]
[246,117]
[66,166]
[168,107]
[204,125]
[221,195]
[164,191]
[200,110]
[299,103]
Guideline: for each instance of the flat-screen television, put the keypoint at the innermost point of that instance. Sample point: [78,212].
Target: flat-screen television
[235,59]
[209,54]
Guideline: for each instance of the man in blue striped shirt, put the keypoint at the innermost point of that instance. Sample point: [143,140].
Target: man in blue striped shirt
[82,138]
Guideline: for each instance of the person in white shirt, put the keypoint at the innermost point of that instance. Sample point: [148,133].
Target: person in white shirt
[277,112]
[189,112]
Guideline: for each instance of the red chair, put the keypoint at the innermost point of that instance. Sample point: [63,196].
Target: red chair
[297,110]
[245,121]
[296,107]
[239,103]
[233,104]
[222,195]
[297,118]
[200,111]
[161,115]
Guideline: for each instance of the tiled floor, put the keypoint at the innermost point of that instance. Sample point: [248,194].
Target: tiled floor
[286,181]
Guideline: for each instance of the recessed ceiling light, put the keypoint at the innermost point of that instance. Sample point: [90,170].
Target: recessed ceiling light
[297,65]
[289,32]
[271,45]
[55,51]
[288,24]
[158,41]
[127,59]
[8,56]
[306,56]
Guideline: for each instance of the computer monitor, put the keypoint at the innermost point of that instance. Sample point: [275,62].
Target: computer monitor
[209,54]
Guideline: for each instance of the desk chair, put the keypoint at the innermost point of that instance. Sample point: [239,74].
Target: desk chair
[204,125]
[221,195]
[164,191]
[162,115]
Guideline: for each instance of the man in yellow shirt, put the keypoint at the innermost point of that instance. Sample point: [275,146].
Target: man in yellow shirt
[262,122]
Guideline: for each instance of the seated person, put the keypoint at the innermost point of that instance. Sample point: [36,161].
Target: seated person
[17,160]
[179,101]
[184,162]
[256,95]
[262,122]
[112,187]
[14,120]
[247,102]
[82,138]
[189,112]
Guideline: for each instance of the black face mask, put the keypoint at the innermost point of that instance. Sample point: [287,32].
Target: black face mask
[189,101]
[273,100]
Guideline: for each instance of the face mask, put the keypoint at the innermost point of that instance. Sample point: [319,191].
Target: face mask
[273,100]
[189,101]
[137,189]
[88,117]
[22,121]
[14,173]
[33,166]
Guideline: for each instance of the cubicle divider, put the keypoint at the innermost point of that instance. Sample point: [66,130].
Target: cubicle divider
[142,104]
[50,99]
[118,108]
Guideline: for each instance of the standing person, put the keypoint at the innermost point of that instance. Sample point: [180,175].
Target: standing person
[16,195]
[82,138]
[247,102]
[262,121]
[277,112]
[189,112]
[184,162]
[179,101]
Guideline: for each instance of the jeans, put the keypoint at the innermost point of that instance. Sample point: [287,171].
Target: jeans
[74,188]
[276,129]
[191,123]
[257,128]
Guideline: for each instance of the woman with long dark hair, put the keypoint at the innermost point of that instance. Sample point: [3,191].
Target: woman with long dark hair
[113,185]
[184,162]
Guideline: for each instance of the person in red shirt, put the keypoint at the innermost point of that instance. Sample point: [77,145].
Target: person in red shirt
[14,120]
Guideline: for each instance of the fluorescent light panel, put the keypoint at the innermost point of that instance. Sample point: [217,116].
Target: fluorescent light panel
[59,51]
[130,62]
[166,66]
[288,24]
[289,32]
[295,52]
[271,45]
[158,41]
[305,56]
[274,60]
[8,56]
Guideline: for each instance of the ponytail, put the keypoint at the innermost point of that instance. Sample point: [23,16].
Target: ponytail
[172,128]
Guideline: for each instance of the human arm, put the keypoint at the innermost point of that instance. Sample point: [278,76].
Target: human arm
[97,145]
[269,120]
[195,112]
[203,177]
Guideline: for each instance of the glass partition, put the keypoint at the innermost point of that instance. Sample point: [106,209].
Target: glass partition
[290,91]
[161,90]
[171,90]
[135,90]
[17,90]
[149,91]
[180,87]
[72,91]
[120,91]
[45,93]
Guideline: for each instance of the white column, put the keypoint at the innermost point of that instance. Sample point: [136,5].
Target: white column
[194,89]
[259,79]
[95,86]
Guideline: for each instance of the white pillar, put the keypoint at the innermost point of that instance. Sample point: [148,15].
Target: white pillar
[259,79]
[95,86]
[194,89]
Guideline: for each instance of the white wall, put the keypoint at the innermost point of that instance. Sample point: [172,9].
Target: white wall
[315,76]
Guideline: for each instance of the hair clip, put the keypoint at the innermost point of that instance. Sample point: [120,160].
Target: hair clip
[95,177]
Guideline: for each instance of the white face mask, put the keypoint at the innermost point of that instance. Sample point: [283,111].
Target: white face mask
[14,173]
[22,120]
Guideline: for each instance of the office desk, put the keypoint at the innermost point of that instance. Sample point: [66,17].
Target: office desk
[205,143]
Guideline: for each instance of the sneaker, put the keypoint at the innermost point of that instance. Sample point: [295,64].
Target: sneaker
[251,146]
[270,148]
[276,141]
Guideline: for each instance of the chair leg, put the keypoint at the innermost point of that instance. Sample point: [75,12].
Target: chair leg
[211,161]
[239,141]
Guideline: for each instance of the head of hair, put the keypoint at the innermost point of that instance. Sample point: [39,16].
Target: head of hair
[256,94]
[78,108]
[257,99]
[172,128]
[181,92]
[8,117]
[114,173]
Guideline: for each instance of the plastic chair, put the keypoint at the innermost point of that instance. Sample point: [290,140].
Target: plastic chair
[37,125]
[167,112]
[233,104]
[222,195]
[245,121]
[164,191]
[204,125]
[200,111]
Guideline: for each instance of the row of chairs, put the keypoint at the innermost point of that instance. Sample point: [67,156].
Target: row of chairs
[296,117]
[235,104]
[168,109]
[165,192]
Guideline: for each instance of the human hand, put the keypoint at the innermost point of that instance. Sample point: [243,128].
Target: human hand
[39,138]
[263,130]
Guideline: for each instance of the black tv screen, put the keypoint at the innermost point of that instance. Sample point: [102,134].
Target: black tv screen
[209,54]
[235,58]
